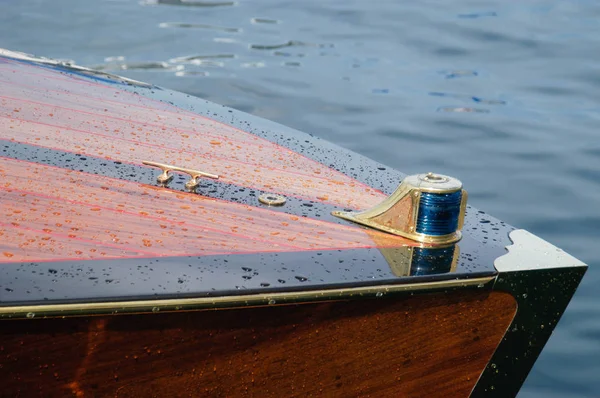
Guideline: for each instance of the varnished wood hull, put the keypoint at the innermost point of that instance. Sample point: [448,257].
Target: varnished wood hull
[421,346]
[112,285]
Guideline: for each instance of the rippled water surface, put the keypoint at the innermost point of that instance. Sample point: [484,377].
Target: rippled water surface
[503,95]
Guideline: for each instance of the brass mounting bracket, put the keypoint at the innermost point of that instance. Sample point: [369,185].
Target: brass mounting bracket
[164,178]
[398,213]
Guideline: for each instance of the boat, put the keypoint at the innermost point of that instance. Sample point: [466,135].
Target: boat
[156,244]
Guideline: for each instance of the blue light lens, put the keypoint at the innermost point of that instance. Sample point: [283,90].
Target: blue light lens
[438,213]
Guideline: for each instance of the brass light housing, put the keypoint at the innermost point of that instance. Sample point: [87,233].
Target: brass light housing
[399,213]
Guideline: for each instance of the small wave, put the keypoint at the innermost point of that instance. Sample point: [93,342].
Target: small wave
[253,65]
[265,21]
[116,58]
[478,15]
[197,26]
[224,40]
[191,58]
[488,101]
[191,73]
[208,62]
[467,97]
[186,3]
[462,110]
[291,43]
[139,66]
[454,74]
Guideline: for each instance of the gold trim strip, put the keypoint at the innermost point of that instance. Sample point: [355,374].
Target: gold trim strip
[205,303]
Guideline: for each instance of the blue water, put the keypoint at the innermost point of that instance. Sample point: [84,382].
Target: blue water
[503,95]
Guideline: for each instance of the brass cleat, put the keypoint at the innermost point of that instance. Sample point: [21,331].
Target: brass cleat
[164,178]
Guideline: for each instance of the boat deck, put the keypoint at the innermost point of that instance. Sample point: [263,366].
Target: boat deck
[84,220]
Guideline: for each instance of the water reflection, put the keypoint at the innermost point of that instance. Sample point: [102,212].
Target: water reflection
[418,261]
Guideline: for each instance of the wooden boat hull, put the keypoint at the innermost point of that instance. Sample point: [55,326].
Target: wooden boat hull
[113,285]
[419,346]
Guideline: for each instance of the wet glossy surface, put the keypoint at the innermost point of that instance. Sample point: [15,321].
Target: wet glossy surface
[101,120]
[509,89]
[71,194]
[263,352]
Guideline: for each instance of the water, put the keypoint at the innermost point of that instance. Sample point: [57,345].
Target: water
[503,95]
